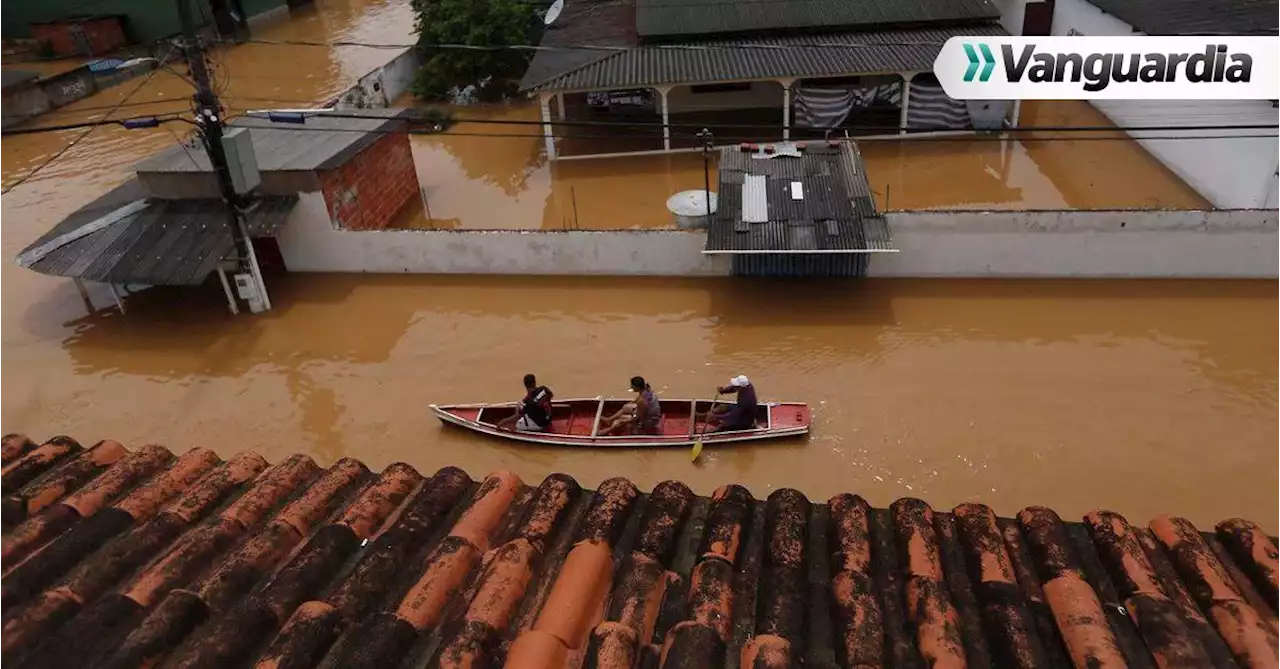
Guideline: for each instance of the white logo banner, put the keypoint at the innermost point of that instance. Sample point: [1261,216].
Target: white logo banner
[1110,68]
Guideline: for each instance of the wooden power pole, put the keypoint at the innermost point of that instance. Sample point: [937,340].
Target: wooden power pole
[210,123]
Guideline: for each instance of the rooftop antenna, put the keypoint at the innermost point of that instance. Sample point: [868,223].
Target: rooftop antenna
[553,12]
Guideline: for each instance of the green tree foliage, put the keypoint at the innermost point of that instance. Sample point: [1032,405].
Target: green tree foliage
[476,23]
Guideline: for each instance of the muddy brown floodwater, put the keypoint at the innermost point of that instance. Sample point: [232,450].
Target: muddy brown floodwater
[1143,397]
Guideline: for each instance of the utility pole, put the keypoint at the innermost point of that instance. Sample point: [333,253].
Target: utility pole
[210,123]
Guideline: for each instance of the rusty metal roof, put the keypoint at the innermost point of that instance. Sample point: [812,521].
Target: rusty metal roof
[122,559]
[766,57]
[680,18]
[759,213]
[164,243]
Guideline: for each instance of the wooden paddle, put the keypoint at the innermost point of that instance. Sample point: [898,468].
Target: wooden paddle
[697,444]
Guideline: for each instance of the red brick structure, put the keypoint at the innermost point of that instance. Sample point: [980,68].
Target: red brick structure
[367,191]
[82,37]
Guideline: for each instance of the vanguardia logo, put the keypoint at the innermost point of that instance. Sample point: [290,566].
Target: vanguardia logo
[987,63]
[1097,67]
[1097,71]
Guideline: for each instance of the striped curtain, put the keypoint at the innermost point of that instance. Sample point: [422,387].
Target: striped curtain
[932,109]
[827,107]
[824,107]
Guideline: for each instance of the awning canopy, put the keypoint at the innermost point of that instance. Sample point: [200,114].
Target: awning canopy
[748,59]
[124,237]
[813,201]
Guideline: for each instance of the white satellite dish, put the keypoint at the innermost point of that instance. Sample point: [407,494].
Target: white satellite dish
[553,12]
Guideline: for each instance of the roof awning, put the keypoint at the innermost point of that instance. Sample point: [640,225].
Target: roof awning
[756,59]
[815,203]
[125,238]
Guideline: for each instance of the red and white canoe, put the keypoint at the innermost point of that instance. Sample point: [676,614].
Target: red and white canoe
[576,422]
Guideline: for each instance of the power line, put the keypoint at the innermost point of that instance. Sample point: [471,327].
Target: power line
[161,118]
[88,132]
[141,103]
[655,127]
[753,139]
[774,126]
[600,47]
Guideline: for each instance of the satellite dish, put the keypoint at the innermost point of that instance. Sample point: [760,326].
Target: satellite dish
[553,12]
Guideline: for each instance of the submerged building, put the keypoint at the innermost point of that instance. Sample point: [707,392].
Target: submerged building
[751,71]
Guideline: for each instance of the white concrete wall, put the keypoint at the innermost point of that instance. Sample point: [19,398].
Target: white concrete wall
[932,244]
[397,75]
[1011,14]
[1086,19]
[1120,244]
[309,243]
[763,94]
[1229,173]
[379,88]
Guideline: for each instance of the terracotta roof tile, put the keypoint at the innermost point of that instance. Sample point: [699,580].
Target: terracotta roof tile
[128,559]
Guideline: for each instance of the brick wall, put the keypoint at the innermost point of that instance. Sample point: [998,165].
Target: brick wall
[103,35]
[369,190]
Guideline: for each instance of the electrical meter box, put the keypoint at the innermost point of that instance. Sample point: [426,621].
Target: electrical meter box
[243,163]
[247,289]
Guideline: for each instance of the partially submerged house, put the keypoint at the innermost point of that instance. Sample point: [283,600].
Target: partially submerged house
[1232,169]
[168,226]
[796,209]
[750,72]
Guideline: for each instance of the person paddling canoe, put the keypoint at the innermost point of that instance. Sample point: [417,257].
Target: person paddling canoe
[734,417]
[533,414]
[638,417]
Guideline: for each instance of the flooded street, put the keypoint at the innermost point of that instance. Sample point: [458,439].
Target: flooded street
[1143,397]
[495,176]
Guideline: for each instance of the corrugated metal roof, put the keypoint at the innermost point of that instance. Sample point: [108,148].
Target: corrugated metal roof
[147,558]
[668,18]
[1195,17]
[169,243]
[10,77]
[767,58]
[288,147]
[836,213]
[591,22]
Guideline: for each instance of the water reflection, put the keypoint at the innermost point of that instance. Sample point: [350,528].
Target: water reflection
[1009,392]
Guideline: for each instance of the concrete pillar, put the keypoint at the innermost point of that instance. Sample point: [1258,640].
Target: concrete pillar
[666,116]
[1013,115]
[115,293]
[906,103]
[547,136]
[560,106]
[786,83]
[84,295]
[226,288]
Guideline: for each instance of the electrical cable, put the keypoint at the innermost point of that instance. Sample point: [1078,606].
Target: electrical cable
[774,126]
[734,139]
[87,132]
[599,47]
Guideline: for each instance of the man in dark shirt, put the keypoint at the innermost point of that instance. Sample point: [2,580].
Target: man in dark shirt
[533,414]
[740,416]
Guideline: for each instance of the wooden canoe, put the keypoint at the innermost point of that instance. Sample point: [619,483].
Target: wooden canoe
[576,422]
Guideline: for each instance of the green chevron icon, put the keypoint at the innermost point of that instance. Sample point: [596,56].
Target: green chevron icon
[988,62]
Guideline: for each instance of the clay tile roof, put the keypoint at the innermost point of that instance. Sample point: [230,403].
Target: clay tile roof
[125,558]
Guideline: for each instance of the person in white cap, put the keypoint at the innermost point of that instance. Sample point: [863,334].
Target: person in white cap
[739,416]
